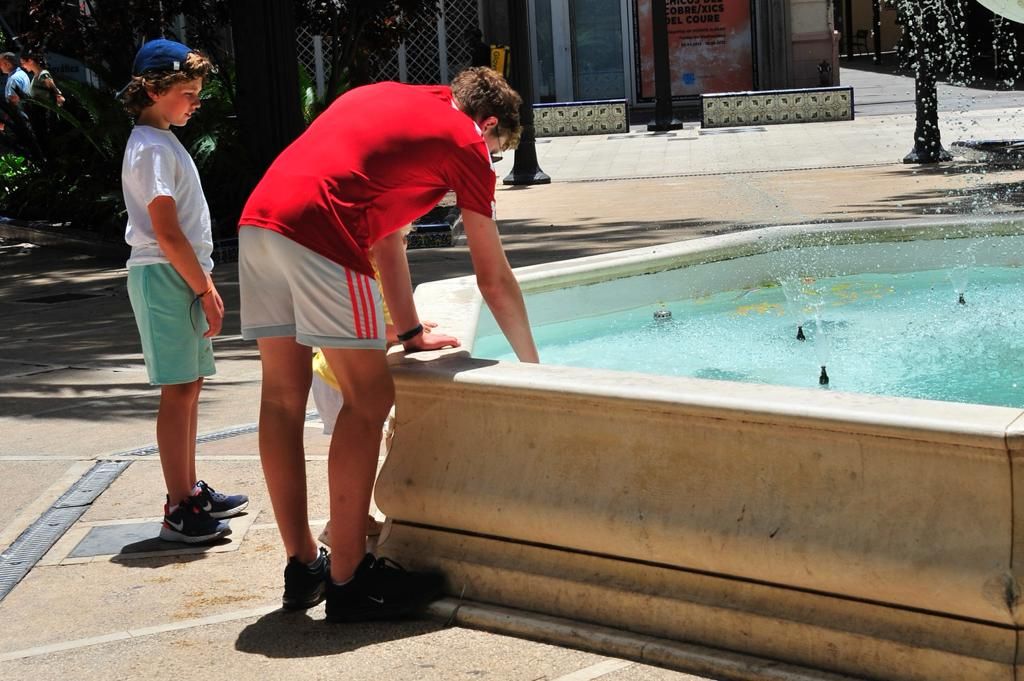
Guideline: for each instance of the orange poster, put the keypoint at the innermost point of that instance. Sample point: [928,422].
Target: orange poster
[709,46]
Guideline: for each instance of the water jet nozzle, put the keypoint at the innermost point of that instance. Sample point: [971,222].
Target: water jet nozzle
[823,379]
[800,332]
[961,300]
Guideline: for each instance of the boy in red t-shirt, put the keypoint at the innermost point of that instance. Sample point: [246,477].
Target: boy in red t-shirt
[376,159]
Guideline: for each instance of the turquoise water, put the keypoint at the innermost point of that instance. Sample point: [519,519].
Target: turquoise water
[885,334]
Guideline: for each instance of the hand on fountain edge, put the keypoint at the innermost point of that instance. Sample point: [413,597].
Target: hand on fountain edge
[428,340]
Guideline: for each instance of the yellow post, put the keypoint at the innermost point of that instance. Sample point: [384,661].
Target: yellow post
[500,60]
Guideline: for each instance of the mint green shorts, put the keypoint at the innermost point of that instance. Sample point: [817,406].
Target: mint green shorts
[171,325]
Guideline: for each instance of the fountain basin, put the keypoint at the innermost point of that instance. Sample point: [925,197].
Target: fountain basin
[865,535]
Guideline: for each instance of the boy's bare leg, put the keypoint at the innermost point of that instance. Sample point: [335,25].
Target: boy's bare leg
[193,431]
[366,383]
[287,374]
[174,428]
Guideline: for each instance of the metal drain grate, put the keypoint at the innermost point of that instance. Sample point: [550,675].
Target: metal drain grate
[730,131]
[34,542]
[91,485]
[639,135]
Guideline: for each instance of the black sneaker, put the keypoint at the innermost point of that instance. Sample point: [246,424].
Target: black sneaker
[221,505]
[306,585]
[189,523]
[381,589]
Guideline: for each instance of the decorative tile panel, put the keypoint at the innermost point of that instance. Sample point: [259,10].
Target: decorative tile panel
[773,107]
[581,118]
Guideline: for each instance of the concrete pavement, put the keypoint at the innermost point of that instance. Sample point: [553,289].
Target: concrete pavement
[73,392]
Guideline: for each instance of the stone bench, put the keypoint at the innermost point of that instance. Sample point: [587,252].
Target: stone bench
[599,117]
[773,107]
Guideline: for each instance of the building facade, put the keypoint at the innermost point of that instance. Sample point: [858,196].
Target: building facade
[603,49]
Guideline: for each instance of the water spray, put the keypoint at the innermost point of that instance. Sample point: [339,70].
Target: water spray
[794,295]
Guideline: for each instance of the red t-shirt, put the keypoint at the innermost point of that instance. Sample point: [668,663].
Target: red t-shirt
[378,158]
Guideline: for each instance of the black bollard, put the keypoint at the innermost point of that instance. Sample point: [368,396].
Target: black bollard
[525,167]
[663,119]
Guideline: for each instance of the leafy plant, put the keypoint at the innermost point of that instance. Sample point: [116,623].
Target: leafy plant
[75,172]
[105,34]
[313,105]
[13,169]
[69,169]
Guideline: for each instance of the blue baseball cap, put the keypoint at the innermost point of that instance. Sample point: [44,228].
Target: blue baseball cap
[160,55]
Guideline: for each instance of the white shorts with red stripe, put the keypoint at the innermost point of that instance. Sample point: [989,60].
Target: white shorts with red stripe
[288,290]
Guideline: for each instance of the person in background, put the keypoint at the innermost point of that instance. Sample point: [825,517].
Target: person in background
[18,84]
[14,122]
[42,86]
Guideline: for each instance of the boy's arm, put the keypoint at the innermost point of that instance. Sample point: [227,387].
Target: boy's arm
[163,212]
[498,285]
[389,257]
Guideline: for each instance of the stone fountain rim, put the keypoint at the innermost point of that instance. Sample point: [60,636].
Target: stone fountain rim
[456,304]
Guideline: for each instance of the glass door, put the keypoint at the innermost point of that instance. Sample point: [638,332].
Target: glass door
[577,50]
[596,28]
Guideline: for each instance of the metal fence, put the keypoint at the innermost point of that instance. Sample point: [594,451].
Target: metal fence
[435,50]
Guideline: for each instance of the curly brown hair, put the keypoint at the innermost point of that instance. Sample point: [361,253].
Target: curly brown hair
[482,92]
[135,96]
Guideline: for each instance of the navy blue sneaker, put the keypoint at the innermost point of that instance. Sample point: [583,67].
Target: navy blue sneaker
[189,523]
[306,585]
[381,589]
[220,505]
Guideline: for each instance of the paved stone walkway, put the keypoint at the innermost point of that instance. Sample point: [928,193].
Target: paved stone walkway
[104,602]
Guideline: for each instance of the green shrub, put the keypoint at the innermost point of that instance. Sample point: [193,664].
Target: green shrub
[14,169]
[77,178]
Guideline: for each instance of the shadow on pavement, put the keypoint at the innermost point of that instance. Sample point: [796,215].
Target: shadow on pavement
[284,634]
[93,402]
[176,553]
[982,193]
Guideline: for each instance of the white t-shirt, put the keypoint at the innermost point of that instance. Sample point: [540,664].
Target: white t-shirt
[156,164]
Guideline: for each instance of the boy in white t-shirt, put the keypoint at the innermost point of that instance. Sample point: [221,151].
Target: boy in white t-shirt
[177,307]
